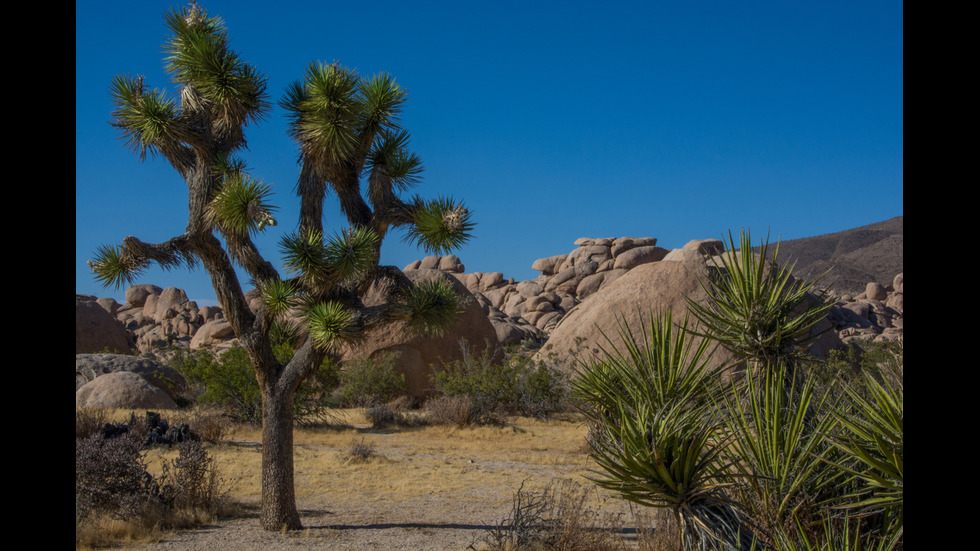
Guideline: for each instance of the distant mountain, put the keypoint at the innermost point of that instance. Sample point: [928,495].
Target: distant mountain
[853,257]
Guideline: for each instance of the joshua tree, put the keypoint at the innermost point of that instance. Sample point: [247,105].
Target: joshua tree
[346,128]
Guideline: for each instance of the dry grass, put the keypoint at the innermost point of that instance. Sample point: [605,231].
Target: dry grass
[351,474]
[410,461]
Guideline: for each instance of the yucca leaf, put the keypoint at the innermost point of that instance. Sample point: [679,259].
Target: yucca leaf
[351,253]
[198,55]
[328,322]
[440,226]
[656,439]
[779,426]
[323,111]
[432,307]
[242,205]
[756,309]
[382,98]
[112,266]
[874,440]
[279,296]
[304,253]
[147,120]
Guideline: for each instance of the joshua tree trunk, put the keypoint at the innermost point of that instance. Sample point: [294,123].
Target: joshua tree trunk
[278,495]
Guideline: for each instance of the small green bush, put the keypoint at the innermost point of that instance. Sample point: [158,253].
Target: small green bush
[225,380]
[369,382]
[493,388]
[228,380]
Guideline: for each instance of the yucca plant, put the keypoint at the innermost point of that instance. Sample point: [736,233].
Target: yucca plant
[350,142]
[661,365]
[872,441]
[778,427]
[845,534]
[757,309]
[657,437]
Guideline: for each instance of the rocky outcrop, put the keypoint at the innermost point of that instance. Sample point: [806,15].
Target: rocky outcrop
[88,367]
[608,275]
[878,314]
[418,354]
[97,329]
[122,389]
[157,317]
[628,302]
[532,309]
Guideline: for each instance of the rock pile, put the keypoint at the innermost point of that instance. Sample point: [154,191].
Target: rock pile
[877,314]
[517,310]
[154,317]
[533,308]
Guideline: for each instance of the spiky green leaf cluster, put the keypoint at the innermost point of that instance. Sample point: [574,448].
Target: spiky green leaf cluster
[335,115]
[351,253]
[147,120]
[242,205]
[216,80]
[219,93]
[382,100]
[440,226]
[654,437]
[322,111]
[304,254]
[322,263]
[327,323]
[279,296]
[112,266]
[661,365]
[779,425]
[758,311]
[392,158]
[874,441]
[432,307]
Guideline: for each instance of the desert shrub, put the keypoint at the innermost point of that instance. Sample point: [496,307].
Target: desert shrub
[456,410]
[111,476]
[359,451]
[495,387]
[117,498]
[211,424]
[90,420]
[849,367]
[557,518]
[368,382]
[392,414]
[191,480]
[228,380]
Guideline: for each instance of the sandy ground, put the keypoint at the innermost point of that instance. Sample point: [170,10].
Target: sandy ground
[443,496]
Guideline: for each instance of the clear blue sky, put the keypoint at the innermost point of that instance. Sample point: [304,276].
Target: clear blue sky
[551,120]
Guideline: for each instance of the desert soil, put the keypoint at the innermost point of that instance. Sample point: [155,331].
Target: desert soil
[418,493]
